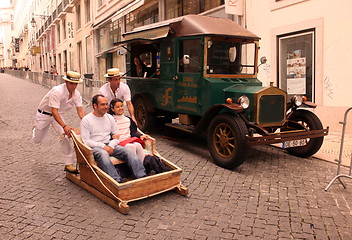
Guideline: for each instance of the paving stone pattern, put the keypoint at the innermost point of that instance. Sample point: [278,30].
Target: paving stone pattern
[271,196]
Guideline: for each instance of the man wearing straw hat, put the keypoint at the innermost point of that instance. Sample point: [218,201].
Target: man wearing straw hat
[55,103]
[114,88]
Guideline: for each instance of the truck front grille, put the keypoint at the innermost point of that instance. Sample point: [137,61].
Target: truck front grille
[272,110]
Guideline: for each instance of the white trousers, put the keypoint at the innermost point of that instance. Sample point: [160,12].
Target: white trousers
[138,149]
[41,126]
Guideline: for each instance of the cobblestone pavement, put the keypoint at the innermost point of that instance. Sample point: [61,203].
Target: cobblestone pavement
[273,195]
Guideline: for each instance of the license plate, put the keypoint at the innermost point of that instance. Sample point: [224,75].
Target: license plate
[294,143]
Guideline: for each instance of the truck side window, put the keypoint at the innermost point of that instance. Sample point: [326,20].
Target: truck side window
[190,50]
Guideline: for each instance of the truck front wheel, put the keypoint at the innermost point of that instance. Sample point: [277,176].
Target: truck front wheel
[145,120]
[226,140]
[311,122]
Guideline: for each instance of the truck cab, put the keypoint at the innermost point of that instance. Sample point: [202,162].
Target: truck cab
[199,74]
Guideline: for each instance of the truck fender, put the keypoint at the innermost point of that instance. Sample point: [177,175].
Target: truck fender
[212,112]
[146,99]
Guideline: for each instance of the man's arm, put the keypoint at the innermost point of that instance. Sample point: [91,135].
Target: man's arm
[131,110]
[58,119]
[80,112]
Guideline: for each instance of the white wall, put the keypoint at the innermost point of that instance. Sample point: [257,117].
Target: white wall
[332,20]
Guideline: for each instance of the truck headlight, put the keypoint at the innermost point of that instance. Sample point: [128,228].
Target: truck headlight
[244,101]
[297,100]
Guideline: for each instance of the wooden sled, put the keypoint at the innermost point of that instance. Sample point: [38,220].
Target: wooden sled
[118,195]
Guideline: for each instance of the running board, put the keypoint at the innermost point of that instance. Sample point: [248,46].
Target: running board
[181,127]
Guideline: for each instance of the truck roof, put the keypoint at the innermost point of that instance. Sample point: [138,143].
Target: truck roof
[189,25]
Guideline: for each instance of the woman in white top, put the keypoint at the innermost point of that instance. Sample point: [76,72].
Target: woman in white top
[127,129]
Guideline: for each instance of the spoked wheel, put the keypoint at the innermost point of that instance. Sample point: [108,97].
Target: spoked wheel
[310,122]
[145,120]
[226,140]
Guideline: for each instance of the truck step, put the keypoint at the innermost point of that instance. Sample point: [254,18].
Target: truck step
[181,127]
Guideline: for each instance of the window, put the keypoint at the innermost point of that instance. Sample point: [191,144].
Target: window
[104,39]
[89,44]
[277,4]
[142,17]
[87,10]
[100,3]
[189,56]
[296,63]
[176,8]
[78,14]
[228,56]
[58,33]
[64,29]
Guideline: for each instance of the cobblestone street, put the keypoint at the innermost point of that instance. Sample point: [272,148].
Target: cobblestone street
[273,195]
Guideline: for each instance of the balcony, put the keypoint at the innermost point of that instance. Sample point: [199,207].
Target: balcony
[68,6]
[55,17]
[60,11]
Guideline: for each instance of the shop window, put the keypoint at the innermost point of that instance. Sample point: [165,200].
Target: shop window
[296,64]
[104,38]
[144,16]
[115,31]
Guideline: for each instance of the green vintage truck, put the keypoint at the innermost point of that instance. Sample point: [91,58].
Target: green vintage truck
[199,74]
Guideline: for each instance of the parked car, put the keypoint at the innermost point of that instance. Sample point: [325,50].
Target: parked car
[202,71]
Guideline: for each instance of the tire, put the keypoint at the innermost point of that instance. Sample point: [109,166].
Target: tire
[226,139]
[311,122]
[145,120]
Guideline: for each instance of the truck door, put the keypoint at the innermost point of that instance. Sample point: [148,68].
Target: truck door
[187,79]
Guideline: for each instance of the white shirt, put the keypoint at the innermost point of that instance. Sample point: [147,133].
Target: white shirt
[123,92]
[57,97]
[123,125]
[97,131]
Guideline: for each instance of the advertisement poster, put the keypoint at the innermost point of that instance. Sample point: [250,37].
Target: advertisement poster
[296,73]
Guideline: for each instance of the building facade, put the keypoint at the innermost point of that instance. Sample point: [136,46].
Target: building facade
[305,41]
[7,39]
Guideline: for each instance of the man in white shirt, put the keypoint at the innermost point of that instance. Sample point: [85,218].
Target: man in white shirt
[55,103]
[114,88]
[97,128]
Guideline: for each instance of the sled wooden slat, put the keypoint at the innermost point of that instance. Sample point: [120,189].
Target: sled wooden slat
[117,195]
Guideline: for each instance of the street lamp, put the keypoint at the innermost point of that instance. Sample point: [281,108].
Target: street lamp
[33,22]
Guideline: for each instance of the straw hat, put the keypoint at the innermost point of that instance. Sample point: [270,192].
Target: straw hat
[72,76]
[113,72]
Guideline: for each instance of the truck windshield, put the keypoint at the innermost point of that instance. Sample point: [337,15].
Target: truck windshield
[229,57]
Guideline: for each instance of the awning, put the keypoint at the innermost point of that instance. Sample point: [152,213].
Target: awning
[190,25]
[151,34]
[127,9]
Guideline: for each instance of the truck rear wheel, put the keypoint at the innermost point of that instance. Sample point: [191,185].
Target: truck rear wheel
[145,120]
[226,140]
[311,122]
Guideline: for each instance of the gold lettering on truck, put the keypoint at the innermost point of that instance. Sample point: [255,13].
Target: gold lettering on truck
[166,97]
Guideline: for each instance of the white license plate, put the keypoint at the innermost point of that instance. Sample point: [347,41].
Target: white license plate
[294,143]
